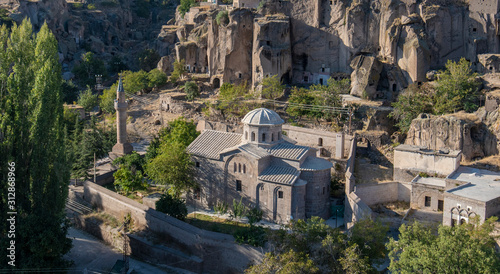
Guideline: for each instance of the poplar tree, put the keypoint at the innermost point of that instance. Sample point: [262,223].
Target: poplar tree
[32,136]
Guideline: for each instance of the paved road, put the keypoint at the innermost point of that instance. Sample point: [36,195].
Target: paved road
[91,254]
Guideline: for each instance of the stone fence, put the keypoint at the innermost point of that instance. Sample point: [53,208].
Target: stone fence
[218,252]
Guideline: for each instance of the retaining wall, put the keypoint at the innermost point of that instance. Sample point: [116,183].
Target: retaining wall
[376,193]
[218,251]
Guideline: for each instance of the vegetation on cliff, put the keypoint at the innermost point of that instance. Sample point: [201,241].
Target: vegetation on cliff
[456,89]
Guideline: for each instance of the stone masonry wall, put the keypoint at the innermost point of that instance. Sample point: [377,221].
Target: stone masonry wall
[219,251]
[376,193]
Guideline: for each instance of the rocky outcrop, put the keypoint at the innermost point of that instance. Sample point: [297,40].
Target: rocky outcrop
[272,53]
[476,135]
[365,76]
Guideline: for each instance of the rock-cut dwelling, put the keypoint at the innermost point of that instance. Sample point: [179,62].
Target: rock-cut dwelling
[259,166]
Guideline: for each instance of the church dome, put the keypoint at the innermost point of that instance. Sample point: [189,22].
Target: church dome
[262,116]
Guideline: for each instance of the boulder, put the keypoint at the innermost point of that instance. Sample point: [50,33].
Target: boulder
[365,76]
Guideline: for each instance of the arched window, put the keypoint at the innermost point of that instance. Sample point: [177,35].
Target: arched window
[320,142]
[244,168]
[239,168]
[272,137]
[235,168]
[253,136]
[246,135]
[263,137]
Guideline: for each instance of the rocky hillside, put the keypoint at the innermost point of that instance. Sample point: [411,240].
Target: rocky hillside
[106,27]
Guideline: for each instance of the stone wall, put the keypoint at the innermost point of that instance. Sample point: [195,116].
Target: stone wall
[376,193]
[414,158]
[219,251]
[452,201]
[325,141]
[355,210]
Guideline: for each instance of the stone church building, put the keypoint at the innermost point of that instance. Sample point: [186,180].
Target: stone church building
[284,180]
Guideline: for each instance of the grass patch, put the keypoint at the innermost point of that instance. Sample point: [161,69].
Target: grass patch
[104,218]
[243,233]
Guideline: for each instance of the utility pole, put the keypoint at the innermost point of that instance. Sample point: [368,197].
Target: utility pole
[95,181]
[350,118]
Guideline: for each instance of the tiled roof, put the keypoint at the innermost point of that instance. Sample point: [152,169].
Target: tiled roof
[314,163]
[262,116]
[210,143]
[288,151]
[254,150]
[280,174]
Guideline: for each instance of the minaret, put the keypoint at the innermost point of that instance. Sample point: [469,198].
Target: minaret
[122,147]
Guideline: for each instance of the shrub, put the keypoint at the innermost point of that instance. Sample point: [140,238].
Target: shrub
[91,6]
[239,209]
[87,100]
[254,215]
[128,180]
[148,59]
[107,99]
[172,206]
[185,5]
[156,78]
[179,70]
[222,18]
[191,89]
[254,235]
[221,208]
[272,87]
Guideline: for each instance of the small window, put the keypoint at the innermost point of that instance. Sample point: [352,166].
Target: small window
[244,168]
[263,137]
[469,208]
[239,168]
[239,75]
[306,79]
[427,201]
[197,164]
[280,194]
[320,142]
[238,185]
[246,135]
[253,136]
[330,44]
[272,137]
[474,29]
[235,167]
[440,205]
[268,43]
[459,205]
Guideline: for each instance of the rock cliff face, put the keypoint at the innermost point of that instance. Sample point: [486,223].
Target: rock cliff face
[476,135]
[314,40]
[108,30]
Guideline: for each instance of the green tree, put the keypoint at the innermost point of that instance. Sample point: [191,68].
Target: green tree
[128,180]
[191,90]
[167,160]
[70,92]
[172,206]
[133,161]
[172,167]
[156,78]
[272,87]
[89,67]
[300,96]
[222,18]
[330,250]
[148,59]
[457,88]
[413,101]
[33,146]
[467,248]
[135,81]
[107,99]
[92,139]
[185,5]
[88,100]
[288,262]
[179,70]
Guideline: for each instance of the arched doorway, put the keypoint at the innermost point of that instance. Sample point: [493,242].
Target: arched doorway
[216,83]
[275,202]
[258,189]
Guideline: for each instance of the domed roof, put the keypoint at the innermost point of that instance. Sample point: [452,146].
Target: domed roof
[262,116]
